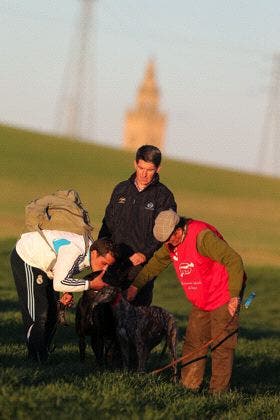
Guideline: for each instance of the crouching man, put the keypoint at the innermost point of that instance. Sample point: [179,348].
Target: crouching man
[42,268]
[212,276]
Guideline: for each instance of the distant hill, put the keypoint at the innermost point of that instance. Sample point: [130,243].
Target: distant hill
[244,207]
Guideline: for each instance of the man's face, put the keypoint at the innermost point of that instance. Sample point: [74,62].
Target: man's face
[99,262]
[145,172]
[176,238]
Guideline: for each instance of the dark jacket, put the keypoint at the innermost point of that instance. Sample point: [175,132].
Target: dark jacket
[130,215]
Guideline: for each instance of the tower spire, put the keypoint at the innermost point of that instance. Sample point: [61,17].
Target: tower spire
[145,124]
[148,92]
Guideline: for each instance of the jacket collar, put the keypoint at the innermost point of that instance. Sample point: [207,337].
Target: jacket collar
[154,181]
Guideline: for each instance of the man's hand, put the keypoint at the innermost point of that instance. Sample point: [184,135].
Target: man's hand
[137,258]
[98,283]
[131,293]
[67,299]
[233,305]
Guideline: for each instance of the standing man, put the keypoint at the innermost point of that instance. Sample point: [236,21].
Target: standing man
[130,215]
[212,276]
[42,268]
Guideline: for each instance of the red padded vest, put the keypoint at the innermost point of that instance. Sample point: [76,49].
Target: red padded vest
[205,282]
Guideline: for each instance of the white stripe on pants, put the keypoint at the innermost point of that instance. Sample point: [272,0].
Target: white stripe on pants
[30,290]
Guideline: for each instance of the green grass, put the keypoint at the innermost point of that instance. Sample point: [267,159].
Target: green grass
[65,388]
[244,207]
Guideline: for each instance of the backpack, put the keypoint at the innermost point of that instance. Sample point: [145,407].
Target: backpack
[62,210]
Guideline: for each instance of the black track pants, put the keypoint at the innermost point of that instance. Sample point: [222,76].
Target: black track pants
[38,302]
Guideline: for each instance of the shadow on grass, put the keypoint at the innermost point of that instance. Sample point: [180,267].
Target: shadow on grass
[8,305]
[62,366]
[256,375]
[57,368]
[258,333]
[12,333]
[250,376]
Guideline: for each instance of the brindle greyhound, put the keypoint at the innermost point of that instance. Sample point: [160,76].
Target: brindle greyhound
[137,329]
[94,318]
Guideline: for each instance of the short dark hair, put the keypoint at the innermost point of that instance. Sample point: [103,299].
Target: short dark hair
[104,246]
[149,153]
[181,223]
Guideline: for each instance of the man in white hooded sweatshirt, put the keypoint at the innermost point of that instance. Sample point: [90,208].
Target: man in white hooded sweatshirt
[42,268]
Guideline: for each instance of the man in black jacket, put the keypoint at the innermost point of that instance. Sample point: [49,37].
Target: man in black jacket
[130,216]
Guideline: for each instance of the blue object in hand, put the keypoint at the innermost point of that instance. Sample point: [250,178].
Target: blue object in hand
[249,299]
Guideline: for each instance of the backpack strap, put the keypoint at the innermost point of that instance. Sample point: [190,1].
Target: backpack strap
[50,267]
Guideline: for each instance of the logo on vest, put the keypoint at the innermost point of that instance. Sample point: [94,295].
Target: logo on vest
[185,268]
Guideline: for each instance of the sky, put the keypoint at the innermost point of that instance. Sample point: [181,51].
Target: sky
[213,61]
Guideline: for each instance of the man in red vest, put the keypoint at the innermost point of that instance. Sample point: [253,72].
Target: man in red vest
[212,276]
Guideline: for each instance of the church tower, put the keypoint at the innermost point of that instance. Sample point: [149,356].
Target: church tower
[145,124]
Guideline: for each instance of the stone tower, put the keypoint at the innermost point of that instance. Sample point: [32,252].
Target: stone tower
[145,124]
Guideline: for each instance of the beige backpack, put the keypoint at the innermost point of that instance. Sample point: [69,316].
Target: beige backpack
[62,210]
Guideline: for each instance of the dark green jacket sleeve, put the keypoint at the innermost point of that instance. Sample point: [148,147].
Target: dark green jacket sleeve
[159,261]
[210,245]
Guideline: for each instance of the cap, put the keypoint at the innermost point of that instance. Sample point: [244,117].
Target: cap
[165,224]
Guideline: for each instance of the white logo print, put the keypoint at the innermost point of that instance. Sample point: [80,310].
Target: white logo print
[186,268]
[149,206]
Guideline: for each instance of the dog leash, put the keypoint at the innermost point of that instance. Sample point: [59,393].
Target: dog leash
[175,362]
[246,305]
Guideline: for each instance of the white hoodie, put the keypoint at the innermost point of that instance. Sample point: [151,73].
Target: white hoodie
[60,260]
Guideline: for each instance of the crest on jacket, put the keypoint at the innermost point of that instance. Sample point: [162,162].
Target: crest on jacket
[121,200]
[149,205]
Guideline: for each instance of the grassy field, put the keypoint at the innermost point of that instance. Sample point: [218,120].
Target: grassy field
[244,207]
[65,388]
